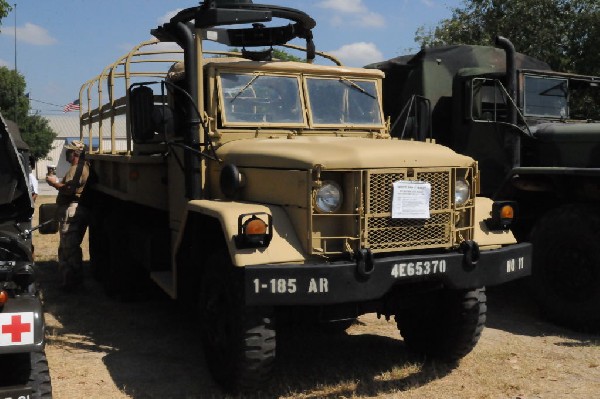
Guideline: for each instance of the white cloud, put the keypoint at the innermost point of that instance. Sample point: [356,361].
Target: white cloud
[355,13]
[358,54]
[372,20]
[4,63]
[32,34]
[349,6]
[428,3]
[167,17]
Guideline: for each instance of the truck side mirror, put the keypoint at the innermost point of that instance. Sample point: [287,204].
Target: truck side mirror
[142,108]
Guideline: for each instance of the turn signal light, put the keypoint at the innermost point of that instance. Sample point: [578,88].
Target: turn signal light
[255,226]
[507,212]
[253,231]
[503,215]
[3,297]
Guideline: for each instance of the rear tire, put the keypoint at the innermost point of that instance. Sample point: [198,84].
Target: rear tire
[447,328]
[239,341]
[566,266]
[27,369]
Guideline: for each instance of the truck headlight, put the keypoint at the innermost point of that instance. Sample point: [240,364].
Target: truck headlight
[328,197]
[462,192]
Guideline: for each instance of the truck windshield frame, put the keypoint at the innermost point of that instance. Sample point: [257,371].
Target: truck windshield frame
[248,99]
[343,102]
[545,96]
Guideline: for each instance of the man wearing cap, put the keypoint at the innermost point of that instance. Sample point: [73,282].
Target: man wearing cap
[72,216]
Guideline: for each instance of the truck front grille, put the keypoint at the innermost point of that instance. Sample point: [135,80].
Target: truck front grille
[386,234]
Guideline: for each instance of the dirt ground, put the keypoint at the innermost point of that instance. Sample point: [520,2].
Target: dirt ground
[149,348]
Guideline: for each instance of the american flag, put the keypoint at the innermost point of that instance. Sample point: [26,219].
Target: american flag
[72,106]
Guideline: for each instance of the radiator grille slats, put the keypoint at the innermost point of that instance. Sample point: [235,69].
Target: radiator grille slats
[387,234]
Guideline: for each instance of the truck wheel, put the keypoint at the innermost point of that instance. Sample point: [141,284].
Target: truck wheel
[239,341]
[566,266]
[447,328]
[27,369]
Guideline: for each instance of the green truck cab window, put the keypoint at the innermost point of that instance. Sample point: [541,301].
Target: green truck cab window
[546,96]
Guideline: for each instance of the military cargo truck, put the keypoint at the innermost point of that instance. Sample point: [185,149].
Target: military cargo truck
[23,366]
[261,189]
[533,132]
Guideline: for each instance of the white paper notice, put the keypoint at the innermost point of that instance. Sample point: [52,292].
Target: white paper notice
[411,199]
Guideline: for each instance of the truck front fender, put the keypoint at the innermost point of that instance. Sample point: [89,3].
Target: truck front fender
[483,235]
[284,246]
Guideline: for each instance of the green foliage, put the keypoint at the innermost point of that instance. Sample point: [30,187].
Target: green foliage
[277,54]
[5,8]
[13,103]
[285,56]
[563,33]
[38,135]
[35,130]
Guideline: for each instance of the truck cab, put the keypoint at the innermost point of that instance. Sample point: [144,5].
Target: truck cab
[535,133]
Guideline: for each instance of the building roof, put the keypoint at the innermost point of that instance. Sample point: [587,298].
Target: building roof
[68,126]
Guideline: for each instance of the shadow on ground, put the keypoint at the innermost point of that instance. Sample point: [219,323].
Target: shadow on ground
[512,309]
[152,349]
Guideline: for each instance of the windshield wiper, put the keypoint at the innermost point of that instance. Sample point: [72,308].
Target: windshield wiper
[357,87]
[245,87]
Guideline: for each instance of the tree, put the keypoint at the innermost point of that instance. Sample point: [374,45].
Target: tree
[14,105]
[38,135]
[563,33]
[5,8]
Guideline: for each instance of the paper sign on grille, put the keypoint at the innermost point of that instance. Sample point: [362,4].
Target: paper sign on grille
[411,199]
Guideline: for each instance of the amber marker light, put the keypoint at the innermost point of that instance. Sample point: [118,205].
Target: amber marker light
[254,231]
[507,212]
[255,226]
[503,215]
[3,297]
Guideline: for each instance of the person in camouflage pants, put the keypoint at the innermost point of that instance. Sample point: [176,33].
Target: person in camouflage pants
[72,216]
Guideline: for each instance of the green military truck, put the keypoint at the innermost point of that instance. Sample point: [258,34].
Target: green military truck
[261,189]
[532,131]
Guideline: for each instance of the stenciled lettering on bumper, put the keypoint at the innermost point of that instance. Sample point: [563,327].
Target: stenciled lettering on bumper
[339,282]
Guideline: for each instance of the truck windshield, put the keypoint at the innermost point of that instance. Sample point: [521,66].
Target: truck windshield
[252,98]
[341,101]
[546,96]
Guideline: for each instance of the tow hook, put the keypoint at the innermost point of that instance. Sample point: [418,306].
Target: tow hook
[364,262]
[470,250]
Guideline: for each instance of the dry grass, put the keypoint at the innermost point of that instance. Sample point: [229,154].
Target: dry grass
[99,348]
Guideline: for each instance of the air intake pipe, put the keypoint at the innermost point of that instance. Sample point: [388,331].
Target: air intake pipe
[511,74]
[514,141]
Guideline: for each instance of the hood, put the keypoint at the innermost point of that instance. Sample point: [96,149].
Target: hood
[15,201]
[572,132]
[338,153]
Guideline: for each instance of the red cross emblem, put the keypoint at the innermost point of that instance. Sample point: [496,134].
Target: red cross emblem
[16,328]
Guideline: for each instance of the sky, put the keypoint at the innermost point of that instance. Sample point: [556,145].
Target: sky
[60,44]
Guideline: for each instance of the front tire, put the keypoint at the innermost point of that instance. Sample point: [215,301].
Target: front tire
[448,327]
[566,266]
[27,369]
[239,341]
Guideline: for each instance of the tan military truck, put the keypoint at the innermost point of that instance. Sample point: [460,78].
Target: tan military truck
[259,189]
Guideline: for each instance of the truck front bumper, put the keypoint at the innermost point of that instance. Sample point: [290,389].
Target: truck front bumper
[343,282]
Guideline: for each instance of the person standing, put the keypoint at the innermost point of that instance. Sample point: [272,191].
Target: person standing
[72,216]
[33,182]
